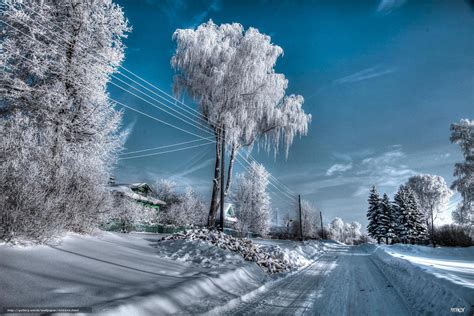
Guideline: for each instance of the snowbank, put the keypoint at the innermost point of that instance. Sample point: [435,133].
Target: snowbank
[298,254]
[119,274]
[132,274]
[431,280]
[197,246]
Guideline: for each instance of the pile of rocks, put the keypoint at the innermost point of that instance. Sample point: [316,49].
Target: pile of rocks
[270,261]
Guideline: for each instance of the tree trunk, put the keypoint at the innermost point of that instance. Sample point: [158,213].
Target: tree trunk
[432,228]
[378,240]
[386,240]
[211,220]
[229,170]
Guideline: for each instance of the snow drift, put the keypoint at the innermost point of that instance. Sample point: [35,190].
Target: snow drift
[429,286]
[200,246]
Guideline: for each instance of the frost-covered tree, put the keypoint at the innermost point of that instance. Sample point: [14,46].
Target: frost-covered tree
[189,210]
[336,229]
[462,133]
[166,191]
[230,72]
[373,215]
[418,218]
[410,222]
[386,221]
[348,233]
[402,209]
[128,213]
[59,135]
[181,209]
[252,201]
[432,195]
[310,220]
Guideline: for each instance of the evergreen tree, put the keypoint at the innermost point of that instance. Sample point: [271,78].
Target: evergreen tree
[373,215]
[386,220]
[420,230]
[411,225]
[402,207]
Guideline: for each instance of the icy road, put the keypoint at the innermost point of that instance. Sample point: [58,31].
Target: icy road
[344,281]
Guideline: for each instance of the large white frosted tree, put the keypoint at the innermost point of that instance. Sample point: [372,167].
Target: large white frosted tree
[432,194]
[462,133]
[252,201]
[229,72]
[58,131]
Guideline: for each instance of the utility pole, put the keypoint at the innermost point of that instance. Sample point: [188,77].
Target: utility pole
[322,227]
[301,223]
[222,179]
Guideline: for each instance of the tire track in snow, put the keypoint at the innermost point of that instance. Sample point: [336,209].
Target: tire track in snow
[344,281]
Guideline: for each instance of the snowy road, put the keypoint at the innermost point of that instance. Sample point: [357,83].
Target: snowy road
[344,281]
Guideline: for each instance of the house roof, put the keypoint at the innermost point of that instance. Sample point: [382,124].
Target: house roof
[126,190]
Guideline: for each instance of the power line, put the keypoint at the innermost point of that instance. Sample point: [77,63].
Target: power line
[144,100]
[173,126]
[271,176]
[160,90]
[165,146]
[270,180]
[165,152]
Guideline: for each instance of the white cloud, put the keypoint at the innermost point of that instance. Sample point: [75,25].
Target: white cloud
[384,170]
[387,6]
[338,168]
[385,158]
[365,74]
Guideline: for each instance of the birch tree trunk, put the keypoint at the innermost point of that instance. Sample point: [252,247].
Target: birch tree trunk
[229,169]
[211,221]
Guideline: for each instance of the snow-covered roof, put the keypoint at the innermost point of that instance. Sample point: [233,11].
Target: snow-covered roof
[128,192]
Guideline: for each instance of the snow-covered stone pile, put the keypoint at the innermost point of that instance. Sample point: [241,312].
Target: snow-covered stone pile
[272,261]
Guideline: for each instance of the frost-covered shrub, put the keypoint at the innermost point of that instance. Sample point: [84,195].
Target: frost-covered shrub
[453,236]
[348,233]
[181,209]
[188,210]
[252,201]
[41,196]
[128,213]
[310,219]
[58,131]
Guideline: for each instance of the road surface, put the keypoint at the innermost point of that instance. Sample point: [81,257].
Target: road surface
[344,281]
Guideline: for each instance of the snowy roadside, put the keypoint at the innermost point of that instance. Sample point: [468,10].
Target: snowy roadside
[431,280]
[130,274]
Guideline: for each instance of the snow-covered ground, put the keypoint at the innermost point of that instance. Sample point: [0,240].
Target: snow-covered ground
[431,278]
[453,264]
[138,274]
[118,273]
[357,280]
[128,274]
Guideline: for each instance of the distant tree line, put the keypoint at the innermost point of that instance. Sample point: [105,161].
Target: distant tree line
[411,216]
[397,221]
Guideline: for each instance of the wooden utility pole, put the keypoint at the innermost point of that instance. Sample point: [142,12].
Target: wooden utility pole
[322,227]
[222,178]
[301,222]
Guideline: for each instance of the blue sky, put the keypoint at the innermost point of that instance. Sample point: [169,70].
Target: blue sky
[383,81]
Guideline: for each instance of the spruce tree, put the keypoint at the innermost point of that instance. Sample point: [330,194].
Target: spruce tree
[402,207]
[373,215]
[386,220]
[420,230]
